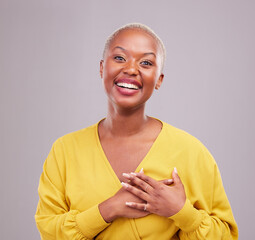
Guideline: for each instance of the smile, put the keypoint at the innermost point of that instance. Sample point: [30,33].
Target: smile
[127,85]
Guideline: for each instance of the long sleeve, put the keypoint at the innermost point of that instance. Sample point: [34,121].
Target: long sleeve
[210,217]
[77,177]
[54,218]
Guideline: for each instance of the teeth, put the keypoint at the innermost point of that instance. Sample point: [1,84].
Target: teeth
[127,85]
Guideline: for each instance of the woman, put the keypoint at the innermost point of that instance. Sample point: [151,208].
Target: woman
[118,178]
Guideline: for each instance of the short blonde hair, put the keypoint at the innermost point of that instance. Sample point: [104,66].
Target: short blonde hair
[141,27]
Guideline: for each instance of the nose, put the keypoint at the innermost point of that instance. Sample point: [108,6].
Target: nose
[131,68]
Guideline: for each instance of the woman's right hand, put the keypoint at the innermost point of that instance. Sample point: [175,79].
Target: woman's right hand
[116,207]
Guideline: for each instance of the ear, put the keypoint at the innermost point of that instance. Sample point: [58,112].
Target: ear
[159,81]
[101,68]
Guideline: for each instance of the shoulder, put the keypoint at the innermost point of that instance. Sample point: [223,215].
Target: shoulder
[81,137]
[180,137]
[190,154]
[182,142]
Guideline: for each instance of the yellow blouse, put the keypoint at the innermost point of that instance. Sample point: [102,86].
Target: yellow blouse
[77,177]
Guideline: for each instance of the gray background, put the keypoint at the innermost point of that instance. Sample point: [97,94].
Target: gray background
[50,85]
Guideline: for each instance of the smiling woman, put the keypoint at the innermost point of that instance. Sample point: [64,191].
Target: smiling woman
[131,67]
[118,179]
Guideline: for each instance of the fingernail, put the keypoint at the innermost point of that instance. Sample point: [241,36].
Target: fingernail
[126,175]
[128,203]
[175,170]
[169,180]
[141,171]
[135,174]
[124,184]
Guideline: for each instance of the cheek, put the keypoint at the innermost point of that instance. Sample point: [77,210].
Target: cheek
[110,71]
[109,75]
[150,77]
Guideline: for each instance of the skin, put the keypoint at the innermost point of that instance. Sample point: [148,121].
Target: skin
[127,134]
[161,199]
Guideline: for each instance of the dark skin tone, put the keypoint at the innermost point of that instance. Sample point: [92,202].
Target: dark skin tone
[131,147]
[127,134]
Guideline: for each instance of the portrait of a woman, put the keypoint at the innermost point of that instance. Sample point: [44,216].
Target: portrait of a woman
[130,175]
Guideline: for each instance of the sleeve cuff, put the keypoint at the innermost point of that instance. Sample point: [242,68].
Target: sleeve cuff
[188,218]
[90,222]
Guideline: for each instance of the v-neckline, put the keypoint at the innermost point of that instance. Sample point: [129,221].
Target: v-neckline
[140,165]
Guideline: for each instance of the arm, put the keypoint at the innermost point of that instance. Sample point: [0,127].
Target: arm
[53,217]
[214,221]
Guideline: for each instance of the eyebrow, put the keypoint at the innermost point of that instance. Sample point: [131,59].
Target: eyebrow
[149,53]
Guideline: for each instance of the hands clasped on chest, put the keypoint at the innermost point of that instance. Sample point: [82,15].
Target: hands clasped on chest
[143,195]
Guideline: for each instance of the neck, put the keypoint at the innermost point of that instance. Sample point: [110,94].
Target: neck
[126,122]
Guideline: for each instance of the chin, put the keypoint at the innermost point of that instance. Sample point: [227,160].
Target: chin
[128,105]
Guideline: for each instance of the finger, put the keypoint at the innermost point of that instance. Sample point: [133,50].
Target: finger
[167,181]
[137,192]
[127,176]
[146,179]
[138,206]
[175,176]
[141,184]
[131,176]
[134,180]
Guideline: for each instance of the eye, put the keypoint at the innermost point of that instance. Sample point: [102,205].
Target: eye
[119,58]
[146,62]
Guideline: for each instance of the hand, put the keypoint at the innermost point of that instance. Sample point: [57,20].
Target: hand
[160,199]
[116,207]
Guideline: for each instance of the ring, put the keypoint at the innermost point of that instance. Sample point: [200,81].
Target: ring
[145,207]
[146,188]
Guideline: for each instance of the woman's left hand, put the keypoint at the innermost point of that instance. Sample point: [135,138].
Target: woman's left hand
[161,199]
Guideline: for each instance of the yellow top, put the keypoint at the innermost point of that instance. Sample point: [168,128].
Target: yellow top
[77,177]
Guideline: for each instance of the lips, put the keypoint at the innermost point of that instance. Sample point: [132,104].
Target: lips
[128,84]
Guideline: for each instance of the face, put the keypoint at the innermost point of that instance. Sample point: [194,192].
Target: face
[131,68]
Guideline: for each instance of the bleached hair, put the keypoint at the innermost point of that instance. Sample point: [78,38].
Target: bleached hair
[141,27]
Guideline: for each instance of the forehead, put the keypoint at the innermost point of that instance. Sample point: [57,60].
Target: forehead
[135,40]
